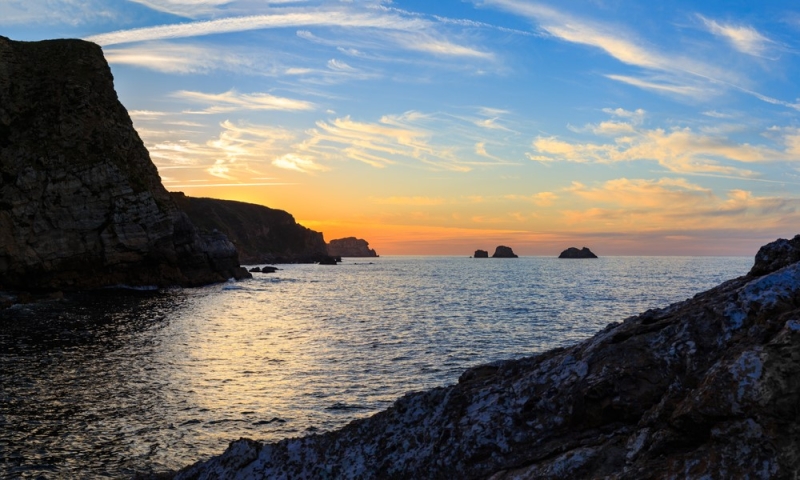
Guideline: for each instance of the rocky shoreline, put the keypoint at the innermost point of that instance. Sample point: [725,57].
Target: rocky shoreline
[703,387]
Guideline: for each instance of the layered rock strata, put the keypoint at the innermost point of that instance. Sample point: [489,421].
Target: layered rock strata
[705,388]
[350,247]
[81,203]
[261,234]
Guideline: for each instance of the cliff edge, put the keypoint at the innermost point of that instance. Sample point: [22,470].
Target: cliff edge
[81,203]
[704,388]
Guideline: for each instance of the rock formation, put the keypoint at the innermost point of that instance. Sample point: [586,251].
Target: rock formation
[481,254]
[350,247]
[504,252]
[261,234]
[573,252]
[705,388]
[81,204]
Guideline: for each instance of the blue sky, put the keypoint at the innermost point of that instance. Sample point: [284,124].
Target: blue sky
[441,127]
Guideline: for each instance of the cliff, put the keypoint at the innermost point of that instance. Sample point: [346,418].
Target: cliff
[81,203]
[350,247]
[704,388]
[261,234]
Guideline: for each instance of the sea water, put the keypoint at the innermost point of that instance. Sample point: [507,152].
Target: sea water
[113,383]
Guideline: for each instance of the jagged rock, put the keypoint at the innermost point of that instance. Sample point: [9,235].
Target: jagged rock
[350,247]
[775,255]
[260,234]
[481,254]
[705,388]
[81,204]
[573,252]
[504,252]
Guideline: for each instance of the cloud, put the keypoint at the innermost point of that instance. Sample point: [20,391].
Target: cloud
[409,201]
[54,12]
[302,164]
[231,101]
[680,150]
[185,8]
[317,17]
[541,199]
[744,39]
[186,59]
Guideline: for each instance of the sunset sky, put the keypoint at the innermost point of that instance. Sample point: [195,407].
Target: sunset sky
[440,127]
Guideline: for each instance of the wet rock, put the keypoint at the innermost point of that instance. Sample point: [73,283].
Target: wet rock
[255,270]
[573,252]
[704,388]
[504,252]
[481,254]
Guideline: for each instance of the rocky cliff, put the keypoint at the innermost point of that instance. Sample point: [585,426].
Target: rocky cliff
[350,247]
[261,234]
[705,388]
[81,204]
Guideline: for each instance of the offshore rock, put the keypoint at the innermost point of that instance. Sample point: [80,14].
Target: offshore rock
[705,388]
[261,234]
[81,204]
[350,247]
[504,252]
[573,252]
[481,254]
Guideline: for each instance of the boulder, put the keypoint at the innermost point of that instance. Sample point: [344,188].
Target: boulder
[573,252]
[255,270]
[81,203]
[481,254]
[704,388]
[504,252]
[350,247]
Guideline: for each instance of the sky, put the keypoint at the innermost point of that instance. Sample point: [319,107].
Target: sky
[442,127]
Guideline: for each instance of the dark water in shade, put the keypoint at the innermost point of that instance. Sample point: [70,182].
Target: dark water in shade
[112,383]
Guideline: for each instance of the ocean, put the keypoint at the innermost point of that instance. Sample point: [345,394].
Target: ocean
[117,382]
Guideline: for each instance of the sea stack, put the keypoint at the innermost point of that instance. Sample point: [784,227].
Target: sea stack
[481,254]
[350,247]
[573,252]
[81,203]
[504,252]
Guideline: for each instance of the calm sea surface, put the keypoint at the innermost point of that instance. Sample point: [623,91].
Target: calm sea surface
[113,383]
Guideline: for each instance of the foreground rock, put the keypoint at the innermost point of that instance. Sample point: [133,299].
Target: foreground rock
[573,252]
[350,247]
[261,234]
[504,252]
[705,388]
[81,204]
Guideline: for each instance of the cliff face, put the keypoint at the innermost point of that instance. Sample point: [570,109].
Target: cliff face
[261,234]
[81,204]
[705,388]
[350,247]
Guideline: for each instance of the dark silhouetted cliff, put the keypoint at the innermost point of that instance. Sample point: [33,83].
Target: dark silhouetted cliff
[350,247]
[261,234]
[81,204]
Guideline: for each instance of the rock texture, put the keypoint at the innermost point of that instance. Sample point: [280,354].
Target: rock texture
[81,204]
[705,388]
[504,252]
[481,254]
[261,234]
[350,247]
[573,252]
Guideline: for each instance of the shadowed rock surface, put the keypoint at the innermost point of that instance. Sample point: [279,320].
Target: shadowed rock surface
[350,247]
[81,204]
[261,234]
[705,388]
[504,252]
[573,252]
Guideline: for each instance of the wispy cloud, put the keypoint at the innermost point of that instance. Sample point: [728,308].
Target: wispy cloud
[318,17]
[187,59]
[410,201]
[298,163]
[186,8]
[233,101]
[743,38]
[55,12]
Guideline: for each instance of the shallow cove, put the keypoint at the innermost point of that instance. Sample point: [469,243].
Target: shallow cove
[111,383]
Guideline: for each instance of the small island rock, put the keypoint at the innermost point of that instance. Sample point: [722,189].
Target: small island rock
[573,252]
[504,252]
[481,254]
[350,247]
